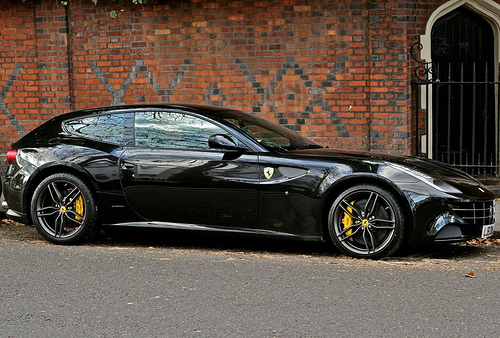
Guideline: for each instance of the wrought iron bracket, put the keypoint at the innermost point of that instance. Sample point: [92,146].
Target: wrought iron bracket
[425,70]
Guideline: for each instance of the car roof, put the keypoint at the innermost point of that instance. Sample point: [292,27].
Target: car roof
[204,109]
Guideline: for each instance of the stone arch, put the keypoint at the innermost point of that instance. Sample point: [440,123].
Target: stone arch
[488,9]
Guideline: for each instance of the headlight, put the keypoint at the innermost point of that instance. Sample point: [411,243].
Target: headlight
[435,183]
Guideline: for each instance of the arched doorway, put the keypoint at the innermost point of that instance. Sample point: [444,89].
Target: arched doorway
[463,97]
[457,87]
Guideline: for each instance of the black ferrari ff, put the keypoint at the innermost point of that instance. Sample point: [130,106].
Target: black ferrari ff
[188,166]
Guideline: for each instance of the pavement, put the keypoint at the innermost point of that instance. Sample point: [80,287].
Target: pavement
[173,286]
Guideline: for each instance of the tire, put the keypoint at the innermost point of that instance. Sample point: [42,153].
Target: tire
[366,221]
[64,209]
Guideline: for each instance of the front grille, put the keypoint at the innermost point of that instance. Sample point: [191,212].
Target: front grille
[479,213]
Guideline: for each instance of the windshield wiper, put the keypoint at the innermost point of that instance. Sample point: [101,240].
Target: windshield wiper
[309,146]
[271,145]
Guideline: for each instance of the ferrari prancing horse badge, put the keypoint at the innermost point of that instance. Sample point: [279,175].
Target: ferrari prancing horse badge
[268,172]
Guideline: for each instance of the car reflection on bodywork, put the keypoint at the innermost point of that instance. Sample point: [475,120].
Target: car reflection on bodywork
[187,166]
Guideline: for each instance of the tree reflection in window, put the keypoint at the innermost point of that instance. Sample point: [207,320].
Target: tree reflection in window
[112,128]
[173,130]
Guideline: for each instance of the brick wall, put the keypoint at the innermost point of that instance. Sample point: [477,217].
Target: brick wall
[337,71]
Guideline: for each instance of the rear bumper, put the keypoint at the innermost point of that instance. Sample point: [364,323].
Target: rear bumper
[17,216]
[3,204]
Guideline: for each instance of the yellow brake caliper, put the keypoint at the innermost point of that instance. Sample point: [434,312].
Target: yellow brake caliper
[79,207]
[347,221]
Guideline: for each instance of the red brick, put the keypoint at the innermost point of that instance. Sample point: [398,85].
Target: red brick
[283,57]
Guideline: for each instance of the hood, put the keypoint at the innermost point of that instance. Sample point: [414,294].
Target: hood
[436,170]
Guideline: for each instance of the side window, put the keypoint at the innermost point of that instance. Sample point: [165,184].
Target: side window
[173,130]
[112,128]
[262,135]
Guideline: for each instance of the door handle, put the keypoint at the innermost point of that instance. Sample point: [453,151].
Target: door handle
[126,166]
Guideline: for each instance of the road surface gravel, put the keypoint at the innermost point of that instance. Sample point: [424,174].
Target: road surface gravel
[178,284]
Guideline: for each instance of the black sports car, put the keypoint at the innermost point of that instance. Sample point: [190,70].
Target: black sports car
[211,168]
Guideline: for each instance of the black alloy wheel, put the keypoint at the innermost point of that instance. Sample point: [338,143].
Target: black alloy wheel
[64,210]
[366,221]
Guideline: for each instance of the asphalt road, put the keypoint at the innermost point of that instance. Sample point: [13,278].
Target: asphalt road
[165,284]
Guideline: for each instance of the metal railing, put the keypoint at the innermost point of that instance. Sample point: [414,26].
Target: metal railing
[458,117]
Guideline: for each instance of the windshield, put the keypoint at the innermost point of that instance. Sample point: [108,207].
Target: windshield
[270,135]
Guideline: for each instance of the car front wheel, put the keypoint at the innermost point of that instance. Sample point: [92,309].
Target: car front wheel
[64,210]
[366,221]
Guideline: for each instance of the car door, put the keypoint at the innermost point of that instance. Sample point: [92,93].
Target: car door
[171,174]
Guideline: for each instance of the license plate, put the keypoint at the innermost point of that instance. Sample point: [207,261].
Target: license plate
[488,231]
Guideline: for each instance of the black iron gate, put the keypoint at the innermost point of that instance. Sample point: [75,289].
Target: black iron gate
[461,131]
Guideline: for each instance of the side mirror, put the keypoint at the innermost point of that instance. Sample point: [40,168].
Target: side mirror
[221,141]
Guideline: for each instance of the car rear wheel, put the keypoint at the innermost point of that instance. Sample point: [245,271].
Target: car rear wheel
[64,210]
[366,221]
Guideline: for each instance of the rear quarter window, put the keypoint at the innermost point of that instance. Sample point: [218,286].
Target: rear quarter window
[110,128]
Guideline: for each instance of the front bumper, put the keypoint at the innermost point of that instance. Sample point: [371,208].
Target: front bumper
[446,221]
[466,221]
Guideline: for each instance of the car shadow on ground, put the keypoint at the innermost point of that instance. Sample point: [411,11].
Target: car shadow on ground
[206,240]
[197,240]
[184,239]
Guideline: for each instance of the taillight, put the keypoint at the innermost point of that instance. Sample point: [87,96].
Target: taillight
[11,155]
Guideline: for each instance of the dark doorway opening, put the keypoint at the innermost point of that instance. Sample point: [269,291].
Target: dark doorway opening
[463,91]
